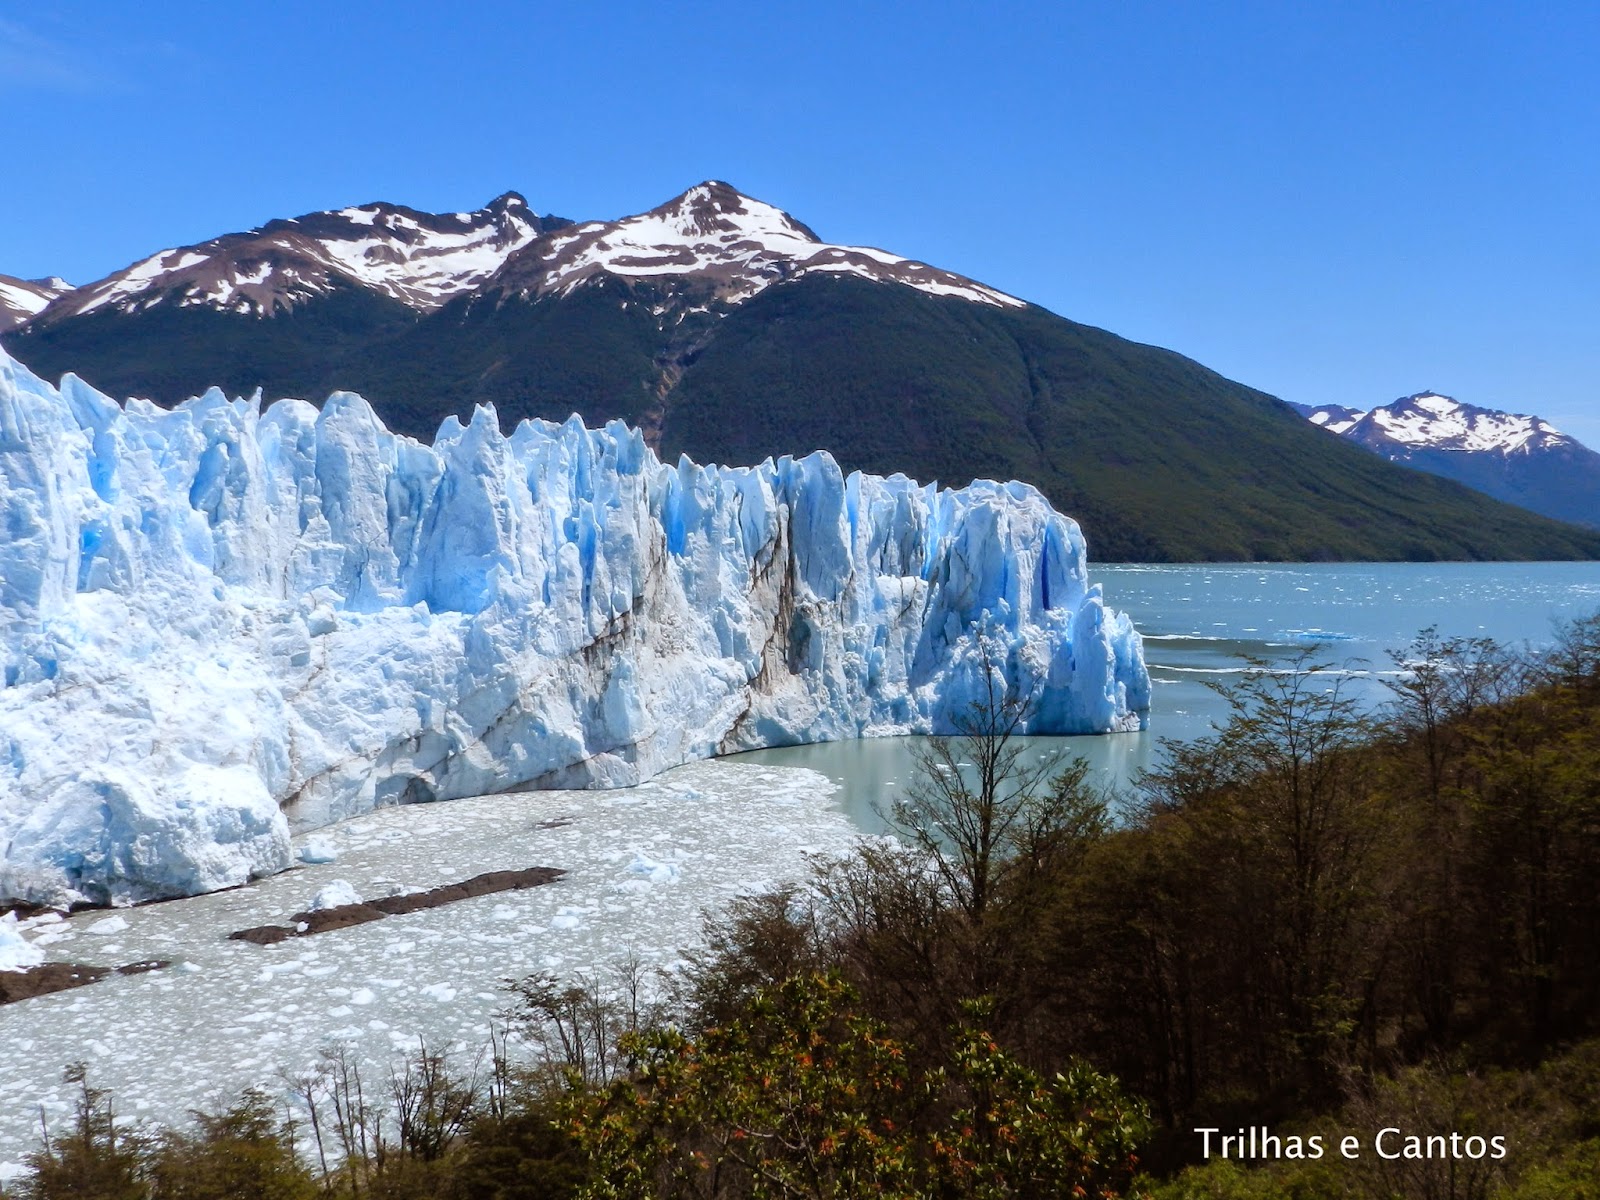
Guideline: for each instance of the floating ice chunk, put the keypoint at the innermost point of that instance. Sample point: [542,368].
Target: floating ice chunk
[334,895]
[108,925]
[17,953]
[567,918]
[362,996]
[649,869]
[318,850]
[442,992]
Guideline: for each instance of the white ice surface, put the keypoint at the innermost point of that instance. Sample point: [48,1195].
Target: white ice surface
[221,625]
[229,1014]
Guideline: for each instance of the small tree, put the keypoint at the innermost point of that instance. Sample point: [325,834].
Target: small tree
[981,804]
[579,1027]
[95,1160]
[432,1104]
[243,1153]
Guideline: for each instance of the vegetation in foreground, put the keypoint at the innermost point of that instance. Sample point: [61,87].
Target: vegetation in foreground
[1308,922]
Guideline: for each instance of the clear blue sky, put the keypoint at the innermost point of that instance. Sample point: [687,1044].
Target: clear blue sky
[1342,202]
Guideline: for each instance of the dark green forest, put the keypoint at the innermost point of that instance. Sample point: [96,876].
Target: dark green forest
[1317,921]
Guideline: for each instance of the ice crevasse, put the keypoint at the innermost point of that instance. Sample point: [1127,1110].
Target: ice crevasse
[223,623]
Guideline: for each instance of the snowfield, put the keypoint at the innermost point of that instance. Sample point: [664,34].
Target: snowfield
[223,625]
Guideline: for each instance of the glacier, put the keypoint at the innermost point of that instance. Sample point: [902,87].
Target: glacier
[227,623]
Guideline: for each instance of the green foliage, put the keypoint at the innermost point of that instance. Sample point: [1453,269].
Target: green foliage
[1572,1173]
[802,1096]
[244,1153]
[95,1159]
[523,1153]
[797,1098]
[1018,1134]
[1545,1118]
[1223,1179]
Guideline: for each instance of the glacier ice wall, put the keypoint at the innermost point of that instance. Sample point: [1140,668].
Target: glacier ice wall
[219,624]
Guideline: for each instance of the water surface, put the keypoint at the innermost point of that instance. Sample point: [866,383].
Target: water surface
[1203,624]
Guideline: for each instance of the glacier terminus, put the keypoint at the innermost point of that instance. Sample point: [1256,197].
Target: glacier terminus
[227,622]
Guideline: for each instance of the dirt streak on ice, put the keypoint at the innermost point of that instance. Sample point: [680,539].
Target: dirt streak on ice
[643,865]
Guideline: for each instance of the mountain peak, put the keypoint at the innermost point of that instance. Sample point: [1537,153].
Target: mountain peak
[1514,457]
[726,245]
[1433,421]
[1433,403]
[506,201]
[715,208]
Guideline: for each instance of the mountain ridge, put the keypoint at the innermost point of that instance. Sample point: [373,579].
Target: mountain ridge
[726,329]
[419,259]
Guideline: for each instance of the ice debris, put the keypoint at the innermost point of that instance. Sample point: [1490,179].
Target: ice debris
[334,894]
[223,624]
[646,868]
[318,850]
[17,953]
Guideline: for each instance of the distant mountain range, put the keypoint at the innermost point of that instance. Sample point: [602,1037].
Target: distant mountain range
[728,330]
[1523,460]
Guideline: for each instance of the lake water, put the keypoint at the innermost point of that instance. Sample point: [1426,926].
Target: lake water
[1203,623]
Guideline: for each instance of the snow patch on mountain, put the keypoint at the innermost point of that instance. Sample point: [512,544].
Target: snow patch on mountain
[423,260]
[713,235]
[221,624]
[22,299]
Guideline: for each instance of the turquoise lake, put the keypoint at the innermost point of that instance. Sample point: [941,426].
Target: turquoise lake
[1203,622]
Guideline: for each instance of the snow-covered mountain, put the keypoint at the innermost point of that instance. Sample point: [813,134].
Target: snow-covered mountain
[23,299]
[221,622]
[719,242]
[420,259]
[1522,459]
[726,329]
[1429,421]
